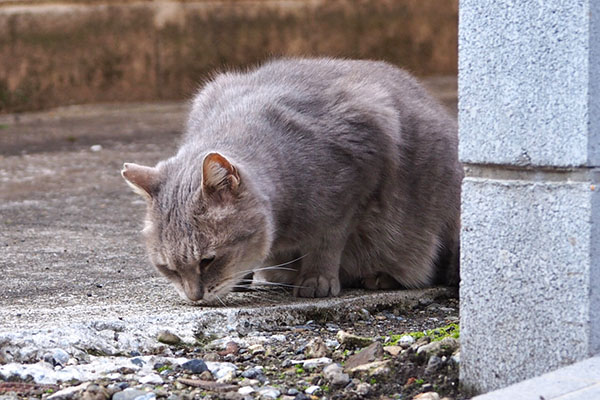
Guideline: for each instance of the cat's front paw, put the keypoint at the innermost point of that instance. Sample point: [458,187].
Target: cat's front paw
[317,286]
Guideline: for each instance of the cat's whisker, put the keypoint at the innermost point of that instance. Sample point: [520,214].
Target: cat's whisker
[272,267]
[281,284]
[221,301]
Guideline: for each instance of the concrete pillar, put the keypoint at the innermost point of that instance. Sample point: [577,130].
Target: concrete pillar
[529,117]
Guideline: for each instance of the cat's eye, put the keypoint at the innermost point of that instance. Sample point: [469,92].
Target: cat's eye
[205,262]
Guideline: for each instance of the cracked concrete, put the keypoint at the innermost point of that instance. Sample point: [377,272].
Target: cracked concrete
[71,258]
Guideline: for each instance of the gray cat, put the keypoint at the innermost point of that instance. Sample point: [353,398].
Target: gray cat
[318,173]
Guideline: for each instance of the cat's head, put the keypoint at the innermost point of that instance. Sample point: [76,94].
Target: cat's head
[206,228]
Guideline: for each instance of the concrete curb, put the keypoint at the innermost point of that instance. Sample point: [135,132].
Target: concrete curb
[579,381]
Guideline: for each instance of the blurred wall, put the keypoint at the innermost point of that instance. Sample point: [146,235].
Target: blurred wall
[55,54]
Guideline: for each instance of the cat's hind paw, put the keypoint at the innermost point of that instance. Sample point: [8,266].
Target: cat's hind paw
[317,286]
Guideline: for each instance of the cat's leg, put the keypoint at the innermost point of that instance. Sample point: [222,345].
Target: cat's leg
[319,274]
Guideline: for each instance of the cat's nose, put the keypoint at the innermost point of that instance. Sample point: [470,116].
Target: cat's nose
[193,290]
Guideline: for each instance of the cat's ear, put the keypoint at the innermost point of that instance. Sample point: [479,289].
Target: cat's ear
[219,174]
[143,180]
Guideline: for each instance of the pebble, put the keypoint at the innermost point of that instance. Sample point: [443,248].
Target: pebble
[278,338]
[153,379]
[140,363]
[352,341]
[317,349]
[195,366]
[405,341]
[69,392]
[375,368]
[393,350]
[335,375]
[96,148]
[60,356]
[312,363]
[369,354]
[312,389]
[227,377]
[245,390]
[256,349]
[427,396]
[446,346]
[221,369]
[433,364]
[231,348]
[131,394]
[167,337]
[251,373]
[362,389]
[268,392]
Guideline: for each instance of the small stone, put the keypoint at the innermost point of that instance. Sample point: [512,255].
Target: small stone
[427,396]
[152,379]
[405,341]
[209,385]
[245,390]
[433,364]
[375,368]
[195,366]
[60,356]
[312,390]
[169,338]
[231,348]
[249,382]
[228,377]
[206,375]
[456,357]
[129,394]
[140,363]
[95,392]
[312,363]
[362,389]
[278,338]
[352,341]
[211,357]
[113,388]
[302,396]
[96,148]
[268,392]
[251,373]
[392,350]
[256,349]
[444,347]
[317,348]
[335,375]
[68,393]
[147,396]
[222,369]
[293,391]
[365,356]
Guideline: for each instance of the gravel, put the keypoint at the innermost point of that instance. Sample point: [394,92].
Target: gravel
[363,354]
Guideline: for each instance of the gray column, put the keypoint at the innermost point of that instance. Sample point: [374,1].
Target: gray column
[529,114]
